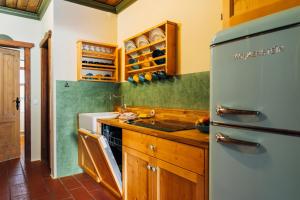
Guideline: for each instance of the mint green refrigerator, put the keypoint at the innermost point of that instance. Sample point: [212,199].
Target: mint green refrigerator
[255,110]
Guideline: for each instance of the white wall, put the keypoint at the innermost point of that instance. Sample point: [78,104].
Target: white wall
[198,20]
[28,30]
[73,22]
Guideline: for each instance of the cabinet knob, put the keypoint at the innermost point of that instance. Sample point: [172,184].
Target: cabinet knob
[154,169]
[86,137]
[149,167]
[152,147]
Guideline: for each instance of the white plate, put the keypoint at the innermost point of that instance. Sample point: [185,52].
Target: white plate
[156,35]
[142,41]
[130,45]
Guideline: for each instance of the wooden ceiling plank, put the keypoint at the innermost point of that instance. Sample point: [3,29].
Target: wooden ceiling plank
[22,4]
[33,5]
[11,3]
[110,2]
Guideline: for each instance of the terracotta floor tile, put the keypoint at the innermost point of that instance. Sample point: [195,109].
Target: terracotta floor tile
[56,188]
[81,194]
[23,180]
[70,183]
[102,194]
[18,190]
[17,179]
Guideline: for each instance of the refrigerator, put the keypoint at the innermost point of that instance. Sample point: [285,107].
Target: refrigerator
[255,110]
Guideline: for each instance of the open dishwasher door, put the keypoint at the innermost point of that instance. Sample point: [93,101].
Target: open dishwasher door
[97,160]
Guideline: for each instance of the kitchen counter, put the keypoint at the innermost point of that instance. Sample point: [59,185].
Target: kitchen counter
[191,137]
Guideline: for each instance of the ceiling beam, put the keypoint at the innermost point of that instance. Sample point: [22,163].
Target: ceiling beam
[95,4]
[20,13]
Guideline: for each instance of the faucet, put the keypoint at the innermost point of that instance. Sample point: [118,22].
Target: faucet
[123,105]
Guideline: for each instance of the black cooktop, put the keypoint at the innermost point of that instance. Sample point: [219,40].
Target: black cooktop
[164,125]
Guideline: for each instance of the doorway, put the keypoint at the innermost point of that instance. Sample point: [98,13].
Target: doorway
[45,46]
[10,99]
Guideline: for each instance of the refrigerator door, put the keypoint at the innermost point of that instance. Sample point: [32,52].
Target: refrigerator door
[260,73]
[240,170]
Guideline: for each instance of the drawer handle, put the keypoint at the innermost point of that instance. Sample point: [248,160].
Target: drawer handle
[149,167]
[152,147]
[86,137]
[224,139]
[221,110]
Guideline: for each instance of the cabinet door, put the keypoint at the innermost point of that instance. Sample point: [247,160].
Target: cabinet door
[239,11]
[94,149]
[176,183]
[137,178]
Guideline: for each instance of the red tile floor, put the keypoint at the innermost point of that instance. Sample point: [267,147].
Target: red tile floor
[21,180]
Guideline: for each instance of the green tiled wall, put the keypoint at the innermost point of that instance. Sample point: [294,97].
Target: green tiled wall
[188,91]
[79,97]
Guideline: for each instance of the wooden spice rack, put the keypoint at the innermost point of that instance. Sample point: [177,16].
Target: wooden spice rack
[97,62]
[148,64]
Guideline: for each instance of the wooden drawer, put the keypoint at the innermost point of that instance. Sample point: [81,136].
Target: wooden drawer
[185,156]
[139,141]
[182,155]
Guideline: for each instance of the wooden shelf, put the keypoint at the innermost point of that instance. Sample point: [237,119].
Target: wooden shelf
[98,68]
[147,69]
[170,49]
[146,46]
[146,61]
[98,65]
[92,54]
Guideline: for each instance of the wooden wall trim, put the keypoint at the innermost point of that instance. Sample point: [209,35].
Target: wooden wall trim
[15,44]
[27,62]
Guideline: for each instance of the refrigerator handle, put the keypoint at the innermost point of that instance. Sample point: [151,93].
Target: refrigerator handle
[221,110]
[224,139]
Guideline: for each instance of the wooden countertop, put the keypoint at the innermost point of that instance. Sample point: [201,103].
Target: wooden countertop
[191,137]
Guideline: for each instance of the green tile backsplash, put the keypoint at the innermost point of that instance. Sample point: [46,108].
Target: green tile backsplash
[189,91]
[77,98]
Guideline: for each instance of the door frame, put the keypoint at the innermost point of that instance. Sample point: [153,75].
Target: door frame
[46,102]
[27,63]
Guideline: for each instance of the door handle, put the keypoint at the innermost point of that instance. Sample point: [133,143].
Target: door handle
[17,101]
[224,139]
[221,110]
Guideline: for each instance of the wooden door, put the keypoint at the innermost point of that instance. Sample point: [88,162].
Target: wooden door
[9,115]
[98,162]
[239,11]
[137,177]
[176,183]
[45,99]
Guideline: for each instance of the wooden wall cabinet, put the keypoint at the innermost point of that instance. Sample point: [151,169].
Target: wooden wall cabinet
[143,54]
[97,62]
[239,11]
[152,176]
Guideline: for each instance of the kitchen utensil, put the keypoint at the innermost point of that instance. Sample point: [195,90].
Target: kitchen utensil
[129,46]
[136,78]
[142,78]
[156,35]
[148,76]
[142,41]
[158,53]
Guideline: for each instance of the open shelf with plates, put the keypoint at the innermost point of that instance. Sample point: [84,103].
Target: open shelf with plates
[151,51]
[97,62]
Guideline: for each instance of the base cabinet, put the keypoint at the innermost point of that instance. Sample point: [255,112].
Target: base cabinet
[136,176]
[146,177]
[176,183]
